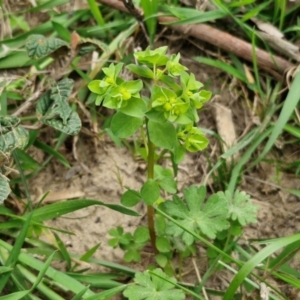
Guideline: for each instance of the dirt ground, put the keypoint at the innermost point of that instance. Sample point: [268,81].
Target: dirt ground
[101,172]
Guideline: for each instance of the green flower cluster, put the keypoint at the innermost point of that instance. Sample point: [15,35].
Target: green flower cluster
[113,91]
[171,108]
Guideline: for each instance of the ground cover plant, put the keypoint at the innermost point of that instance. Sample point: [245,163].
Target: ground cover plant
[81,72]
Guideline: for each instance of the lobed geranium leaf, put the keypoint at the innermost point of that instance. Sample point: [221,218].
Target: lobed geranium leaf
[240,207]
[207,218]
[151,287]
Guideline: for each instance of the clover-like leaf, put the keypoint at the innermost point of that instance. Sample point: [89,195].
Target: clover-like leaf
[153,286]
[39,46]
[196,216]
[240,207]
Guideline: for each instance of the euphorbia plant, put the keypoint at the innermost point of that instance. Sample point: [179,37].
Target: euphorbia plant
[168,113]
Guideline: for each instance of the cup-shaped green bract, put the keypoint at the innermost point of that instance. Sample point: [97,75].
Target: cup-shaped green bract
[174,67]
[155,57]
[193,138]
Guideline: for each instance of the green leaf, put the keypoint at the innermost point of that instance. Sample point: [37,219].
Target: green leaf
[107,294]
[58,209]
[130,198]
[63,250]
[153,57]
[48,149]
[162,134]
[15,296]
[240,207]
[132,255]
[124,126]
[168,184]
[39,46]
[60,94]
[119,238]
[160,224]
[151,287]
[254,261]
[141,235]
[161,260]
[4,188]
[289,105]
[12,259]
[72,127]
[135,107]
[150,191]
[62,31]
[193,214]
[142,71]
[12,136]
[53,108]
[162,244]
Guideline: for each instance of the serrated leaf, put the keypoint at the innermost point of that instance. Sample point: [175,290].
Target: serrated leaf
[150,191]
[209,218]
[152,287]
[162,134]
[39,46]
[240,207]
[124,126]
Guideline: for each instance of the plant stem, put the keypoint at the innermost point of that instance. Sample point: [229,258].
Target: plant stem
[150,209]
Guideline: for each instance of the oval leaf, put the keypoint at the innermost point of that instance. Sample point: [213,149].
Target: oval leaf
[150,191]
[130,198]
[162,134]
[124,126]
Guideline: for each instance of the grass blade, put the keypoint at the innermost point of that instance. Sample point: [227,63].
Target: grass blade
[65,281]
[222,66]
[289,105]
[249,266]
[58,209]
[96,12]
[15,251]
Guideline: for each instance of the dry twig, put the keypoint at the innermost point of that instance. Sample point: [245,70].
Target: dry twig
[274,65]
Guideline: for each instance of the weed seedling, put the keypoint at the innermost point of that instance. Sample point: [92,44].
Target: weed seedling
[163,104]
